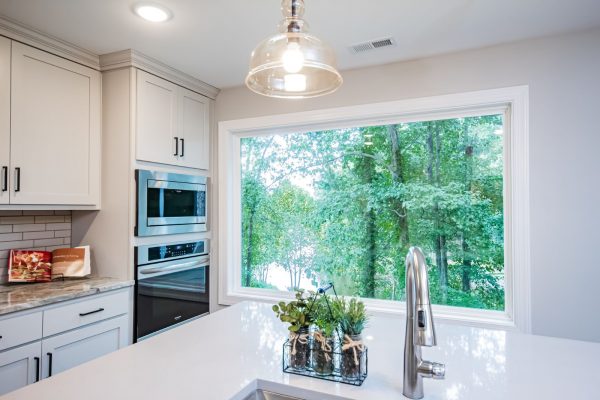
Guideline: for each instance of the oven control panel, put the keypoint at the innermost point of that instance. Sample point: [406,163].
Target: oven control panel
[157,253]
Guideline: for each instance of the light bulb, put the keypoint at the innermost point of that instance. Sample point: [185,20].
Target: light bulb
[292,58]
[294,82]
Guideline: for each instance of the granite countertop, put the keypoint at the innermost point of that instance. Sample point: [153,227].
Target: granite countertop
[228,354]
[23,296]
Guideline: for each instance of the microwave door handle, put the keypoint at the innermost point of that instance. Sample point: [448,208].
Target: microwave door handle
[175,268]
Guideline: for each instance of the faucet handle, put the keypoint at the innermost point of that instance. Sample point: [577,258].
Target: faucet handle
[429,369]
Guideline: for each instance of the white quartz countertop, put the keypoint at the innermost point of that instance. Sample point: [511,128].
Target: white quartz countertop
[227,354]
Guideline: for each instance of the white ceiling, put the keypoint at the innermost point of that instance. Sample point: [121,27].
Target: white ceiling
[212,39]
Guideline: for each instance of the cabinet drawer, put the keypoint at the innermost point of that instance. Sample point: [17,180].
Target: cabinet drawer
[22,329]
[86,311]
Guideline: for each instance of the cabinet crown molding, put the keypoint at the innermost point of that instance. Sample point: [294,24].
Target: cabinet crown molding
[15,30]
[21,33]
[134,58]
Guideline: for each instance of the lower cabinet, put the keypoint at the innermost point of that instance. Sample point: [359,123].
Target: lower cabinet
[42,343]
[73,348]
[20,366]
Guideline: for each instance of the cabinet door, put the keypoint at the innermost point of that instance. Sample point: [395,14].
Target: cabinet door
[19,367]
[4,120]
[156,139]
[55,130]
[194,129]
[76,347]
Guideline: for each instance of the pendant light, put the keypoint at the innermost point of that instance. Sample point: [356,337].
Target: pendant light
[293,64]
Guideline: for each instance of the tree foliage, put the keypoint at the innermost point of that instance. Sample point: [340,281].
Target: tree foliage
[344,206]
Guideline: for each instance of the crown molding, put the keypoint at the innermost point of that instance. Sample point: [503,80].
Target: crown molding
[21,33]
[133,58]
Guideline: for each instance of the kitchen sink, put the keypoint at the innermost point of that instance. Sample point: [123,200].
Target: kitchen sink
[265,395]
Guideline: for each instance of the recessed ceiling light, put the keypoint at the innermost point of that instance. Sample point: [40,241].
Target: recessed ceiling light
[152,12]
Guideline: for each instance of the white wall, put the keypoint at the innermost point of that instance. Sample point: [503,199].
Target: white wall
[563,74]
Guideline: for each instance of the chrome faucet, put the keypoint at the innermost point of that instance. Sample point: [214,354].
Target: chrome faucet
[419,327]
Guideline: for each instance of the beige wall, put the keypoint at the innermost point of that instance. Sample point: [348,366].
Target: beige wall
[563,74]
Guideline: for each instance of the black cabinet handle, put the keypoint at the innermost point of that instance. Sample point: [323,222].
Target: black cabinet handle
[17,179]
[91,312]
[176,146]
[37,368]
[49,364]
[5,178]
[182,147]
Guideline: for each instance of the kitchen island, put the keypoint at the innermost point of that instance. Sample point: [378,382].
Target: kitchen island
[230,353]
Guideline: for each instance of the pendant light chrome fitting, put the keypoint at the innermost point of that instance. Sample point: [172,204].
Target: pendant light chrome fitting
[293,63]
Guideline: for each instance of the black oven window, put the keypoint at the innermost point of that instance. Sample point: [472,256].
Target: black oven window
[164,203]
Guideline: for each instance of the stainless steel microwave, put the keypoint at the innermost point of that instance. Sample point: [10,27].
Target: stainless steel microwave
[170,203]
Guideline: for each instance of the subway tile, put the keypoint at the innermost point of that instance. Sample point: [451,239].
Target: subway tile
[48,242]
[5,228]
[17,220]
[4,253]
[3,264]
[49,219]
[58,227]
[62,212]
[28,227]
[65,233]
[38,235]
[10,237]
[21,244]
[68,218]
[52,248]
[10,213]
[38,212]
[67,241]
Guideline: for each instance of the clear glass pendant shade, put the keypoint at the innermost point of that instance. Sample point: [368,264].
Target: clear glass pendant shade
[293,63]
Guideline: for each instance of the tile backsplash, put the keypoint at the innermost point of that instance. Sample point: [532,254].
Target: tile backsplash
[32,230]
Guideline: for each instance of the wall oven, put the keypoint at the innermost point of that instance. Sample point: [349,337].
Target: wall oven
[170,203]
[172,285]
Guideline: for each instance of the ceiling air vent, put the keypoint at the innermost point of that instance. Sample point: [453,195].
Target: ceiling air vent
[372,45]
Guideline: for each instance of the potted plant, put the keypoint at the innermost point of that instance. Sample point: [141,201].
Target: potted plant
[326,321]
[299,314]
[353,318]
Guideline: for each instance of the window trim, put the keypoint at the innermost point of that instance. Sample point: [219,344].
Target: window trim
[512,101]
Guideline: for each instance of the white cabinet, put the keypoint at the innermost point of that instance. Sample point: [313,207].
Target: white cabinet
[55,130]
[4,120]
[193,129]
[157,139]
[19,367]
[172,123]
[76,347]
[73,333]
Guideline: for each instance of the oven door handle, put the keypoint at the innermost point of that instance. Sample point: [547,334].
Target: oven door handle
[176,268]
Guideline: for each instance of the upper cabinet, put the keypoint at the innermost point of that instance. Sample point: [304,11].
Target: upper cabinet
[4,120]
[193,129]
[172,123]
[54,138]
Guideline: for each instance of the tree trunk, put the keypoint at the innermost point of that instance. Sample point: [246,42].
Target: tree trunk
[434,147]
[366,168]
[398,179]
[467,259]
[248,269]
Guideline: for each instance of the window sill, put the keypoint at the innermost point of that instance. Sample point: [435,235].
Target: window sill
[487,319]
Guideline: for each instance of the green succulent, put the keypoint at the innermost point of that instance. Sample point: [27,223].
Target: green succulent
[352,315]
[299,313]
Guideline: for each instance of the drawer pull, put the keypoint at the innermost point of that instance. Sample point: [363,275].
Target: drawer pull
[91,312]
[37,368]
[49,364]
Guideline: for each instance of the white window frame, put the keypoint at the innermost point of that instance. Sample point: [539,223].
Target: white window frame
[513,102]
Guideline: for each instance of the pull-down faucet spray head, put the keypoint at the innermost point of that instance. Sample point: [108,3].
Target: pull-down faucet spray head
[417,297]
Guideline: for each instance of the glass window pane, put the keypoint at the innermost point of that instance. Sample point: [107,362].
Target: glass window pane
[345,205]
